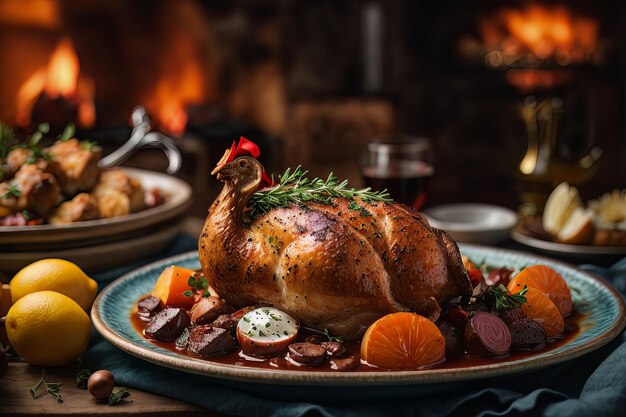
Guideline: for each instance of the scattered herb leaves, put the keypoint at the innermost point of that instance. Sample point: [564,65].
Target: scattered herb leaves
[51,388]
[83,374]
[118,395]
[362,210]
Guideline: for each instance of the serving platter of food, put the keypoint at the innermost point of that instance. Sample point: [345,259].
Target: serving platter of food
[571,228]
[307,281]
[60,195]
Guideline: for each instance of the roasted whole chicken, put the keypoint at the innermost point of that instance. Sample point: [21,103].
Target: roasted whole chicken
[326,264]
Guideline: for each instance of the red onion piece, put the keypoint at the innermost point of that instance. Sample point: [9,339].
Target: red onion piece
[487,335]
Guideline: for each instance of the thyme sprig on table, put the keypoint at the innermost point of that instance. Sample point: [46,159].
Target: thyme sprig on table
[294,187]
[52,388]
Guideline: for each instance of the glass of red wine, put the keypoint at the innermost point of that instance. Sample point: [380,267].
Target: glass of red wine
[402,166]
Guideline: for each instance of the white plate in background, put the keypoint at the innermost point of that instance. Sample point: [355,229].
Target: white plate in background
[473,223]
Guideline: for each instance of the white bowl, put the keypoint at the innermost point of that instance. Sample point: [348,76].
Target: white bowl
[473,223]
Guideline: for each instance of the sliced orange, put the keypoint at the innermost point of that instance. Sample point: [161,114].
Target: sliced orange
[403,341]
[547,280]
[539,307]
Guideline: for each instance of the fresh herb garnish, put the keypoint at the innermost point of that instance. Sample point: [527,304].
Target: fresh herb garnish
[83,374]
[199,284]
[295,188]
[332,338]
[51,388]
[36,151]
[7,140]
[68,133]
[118,395]
[355,206]
[12,191]
[89,145]
[275,317]
[506,301]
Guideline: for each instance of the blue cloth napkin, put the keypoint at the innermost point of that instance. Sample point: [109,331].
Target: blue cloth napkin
[593,385]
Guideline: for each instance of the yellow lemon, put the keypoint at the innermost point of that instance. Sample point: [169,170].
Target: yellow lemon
[55,275]
[47,328]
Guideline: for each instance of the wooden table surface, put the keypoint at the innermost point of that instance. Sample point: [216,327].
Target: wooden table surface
[15,398]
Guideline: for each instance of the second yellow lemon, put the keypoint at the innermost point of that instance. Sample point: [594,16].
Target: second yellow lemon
[47,328]
[55,275]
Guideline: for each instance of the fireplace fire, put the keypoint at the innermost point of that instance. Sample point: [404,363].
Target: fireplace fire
[57,93]
[536,35]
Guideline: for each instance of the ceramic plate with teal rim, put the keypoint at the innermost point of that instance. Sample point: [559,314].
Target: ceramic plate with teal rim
[602,309]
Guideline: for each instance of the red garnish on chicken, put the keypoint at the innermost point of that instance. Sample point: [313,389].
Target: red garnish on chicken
[245,147]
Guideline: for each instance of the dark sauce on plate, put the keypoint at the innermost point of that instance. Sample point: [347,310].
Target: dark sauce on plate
[235,358]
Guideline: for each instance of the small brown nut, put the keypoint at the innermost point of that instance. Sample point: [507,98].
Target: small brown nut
[101,384]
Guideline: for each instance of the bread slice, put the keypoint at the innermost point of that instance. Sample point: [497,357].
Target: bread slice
[578,228]
[559,207]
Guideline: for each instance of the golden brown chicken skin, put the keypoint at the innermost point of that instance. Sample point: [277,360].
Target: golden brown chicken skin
[328,265]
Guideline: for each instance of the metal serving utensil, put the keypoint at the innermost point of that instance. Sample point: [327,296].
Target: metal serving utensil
[142,137]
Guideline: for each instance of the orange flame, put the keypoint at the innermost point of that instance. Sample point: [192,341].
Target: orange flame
[59,79]
[543,31]
[63,69]
[181,82]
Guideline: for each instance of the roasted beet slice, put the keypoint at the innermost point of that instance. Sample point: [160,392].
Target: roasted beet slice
[349,363]
[454,339]
[167,324]
[334,349]
[511,316]
[209,342]
[487,335]
[306,353]
[527,335]
[208,309]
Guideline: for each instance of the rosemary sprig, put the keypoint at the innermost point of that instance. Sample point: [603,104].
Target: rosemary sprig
[51,388]
[295,188]
[506,301]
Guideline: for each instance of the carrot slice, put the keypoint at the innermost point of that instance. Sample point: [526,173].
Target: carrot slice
[171,285]
[403,341]
[548,281]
